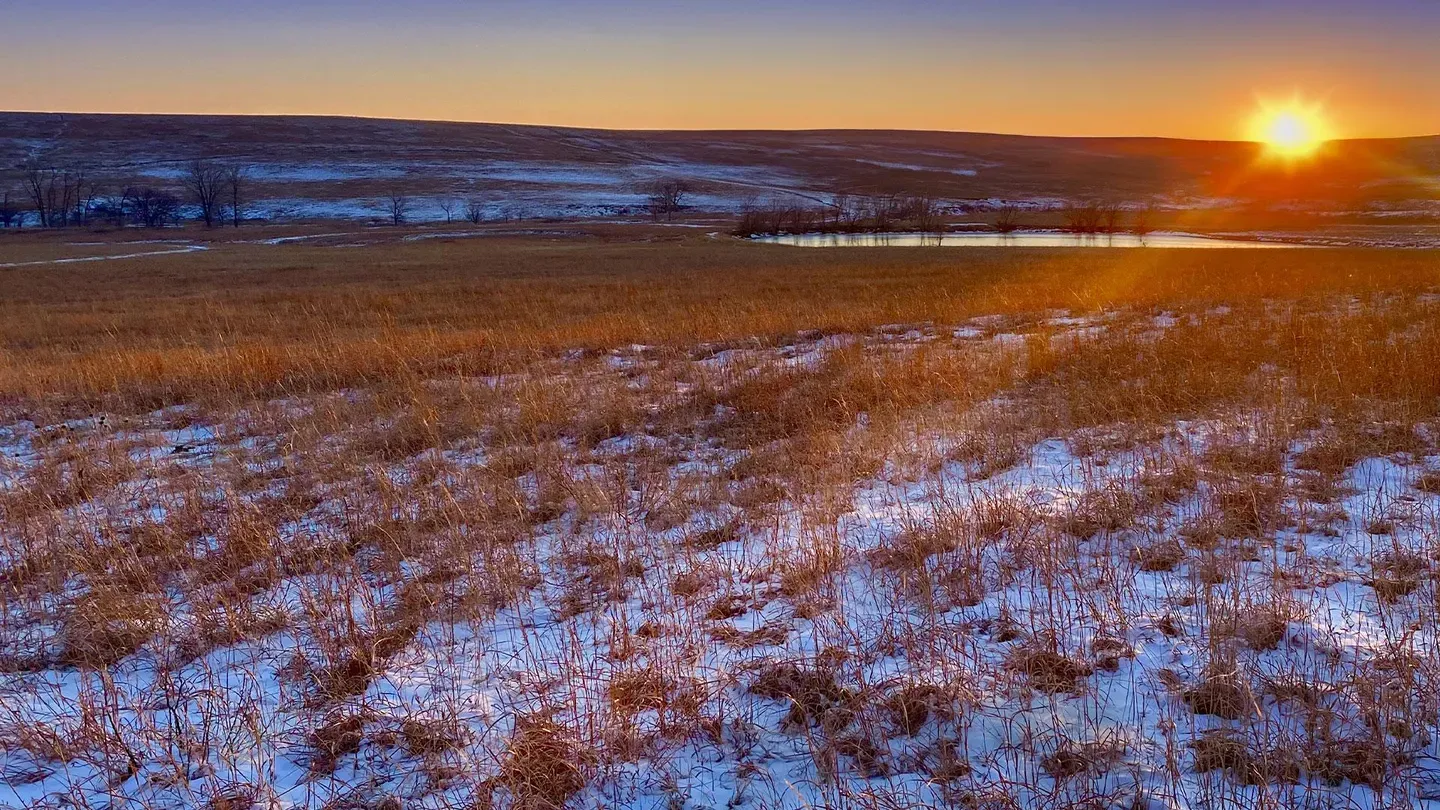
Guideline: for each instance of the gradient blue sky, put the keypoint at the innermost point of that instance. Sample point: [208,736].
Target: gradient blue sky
[1122,67]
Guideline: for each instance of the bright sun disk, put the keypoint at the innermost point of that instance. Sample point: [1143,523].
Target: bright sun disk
[1292,130]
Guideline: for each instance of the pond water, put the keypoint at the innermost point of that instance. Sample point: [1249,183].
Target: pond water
[1022,239]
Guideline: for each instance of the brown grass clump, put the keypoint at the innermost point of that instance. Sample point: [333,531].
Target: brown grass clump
[1215,569]
[912,706]
[1224,750]
[1163,555]
[356,657]
[1361,761]
[338,736]
[235,797]
[770,635]
[1107,510]
[1074,759]
[1337,449]
[431,738]
[1397,574]
[1049,671]
[1262,625]
[1247,508]
[544,765]
[104,626]
[246,539]
[1221,696]
[632,692]
[813,694]
[1109,651]
[729,606]
[868,756]
[1247,459]
[793,401]
[1429,482]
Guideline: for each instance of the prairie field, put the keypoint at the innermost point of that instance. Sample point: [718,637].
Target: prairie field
[645,517]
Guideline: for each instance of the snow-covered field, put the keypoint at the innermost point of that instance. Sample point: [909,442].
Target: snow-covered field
[904,567]
[504,189]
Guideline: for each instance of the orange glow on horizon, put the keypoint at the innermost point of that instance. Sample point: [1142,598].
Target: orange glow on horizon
[1291,130]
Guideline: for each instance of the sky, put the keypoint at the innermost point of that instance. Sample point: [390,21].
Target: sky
[1052,67]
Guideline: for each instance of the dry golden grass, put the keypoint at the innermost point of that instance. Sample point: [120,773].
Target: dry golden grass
[507,522]
[244,320]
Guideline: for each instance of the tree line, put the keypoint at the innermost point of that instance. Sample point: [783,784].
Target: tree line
[847,213]
[399,209]
[55,196]
[216,193]
[844,213]
[663,199]
[1095,218]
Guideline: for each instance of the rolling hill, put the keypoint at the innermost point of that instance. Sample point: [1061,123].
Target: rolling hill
[303,167]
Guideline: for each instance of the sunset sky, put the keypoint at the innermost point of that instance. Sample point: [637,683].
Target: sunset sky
[1123,67]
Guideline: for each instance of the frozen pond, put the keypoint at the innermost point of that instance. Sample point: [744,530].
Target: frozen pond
[1022,239]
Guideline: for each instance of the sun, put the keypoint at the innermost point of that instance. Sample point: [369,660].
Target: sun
[1290,131]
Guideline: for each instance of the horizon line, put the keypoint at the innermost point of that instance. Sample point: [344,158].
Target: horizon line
[697,130]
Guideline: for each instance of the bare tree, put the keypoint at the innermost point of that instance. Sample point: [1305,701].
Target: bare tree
[1085,219]
[206,183]
[399,207]
[111,207]
[1111,219]
[131,206]
[842,208]
[927,214]
[151,208]
[666,198]
[58,195]
[87,192]
[447,207]
[752,220]
[164,209]
[236,182]
[776,218]
[1144,223]
[1007,220]
[39,183]
[73,194]
[883,211]
[475,211]
[11,214]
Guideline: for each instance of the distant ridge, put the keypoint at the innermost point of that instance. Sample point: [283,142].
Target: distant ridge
[344,166]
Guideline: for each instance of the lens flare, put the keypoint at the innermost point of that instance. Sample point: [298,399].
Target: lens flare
[1290,131]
